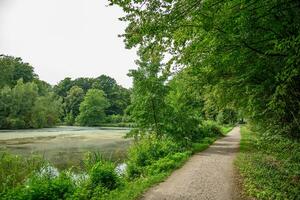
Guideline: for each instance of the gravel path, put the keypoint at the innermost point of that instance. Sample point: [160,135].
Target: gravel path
[208,175]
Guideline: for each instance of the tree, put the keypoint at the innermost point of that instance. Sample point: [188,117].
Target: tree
[24,97]
[25,101]
[72,103]
[92,109]
[148,108]
[16,105]
[5,106]
[118,96]
[46,111]
[247,51]
[12,69]
[84,83]
[63,87]
[227,116]
[186,105]
[43,87]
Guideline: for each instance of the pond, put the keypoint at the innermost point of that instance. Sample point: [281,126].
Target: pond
[66,146]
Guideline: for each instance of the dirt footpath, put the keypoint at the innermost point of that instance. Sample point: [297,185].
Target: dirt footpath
[208,175]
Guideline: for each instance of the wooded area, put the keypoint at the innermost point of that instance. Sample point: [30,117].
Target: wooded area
[28,102]
[203,67]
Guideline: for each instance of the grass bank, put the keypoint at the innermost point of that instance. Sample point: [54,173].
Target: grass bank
[269,165]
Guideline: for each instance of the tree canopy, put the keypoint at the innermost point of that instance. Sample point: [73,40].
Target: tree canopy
[92,109]
[243,54]
[72,103]
[118,96]
[12,69]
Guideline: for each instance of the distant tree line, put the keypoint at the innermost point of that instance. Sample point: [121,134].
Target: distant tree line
[115,99]
[28,102]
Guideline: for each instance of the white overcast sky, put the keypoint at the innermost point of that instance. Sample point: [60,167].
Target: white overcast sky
[66,38]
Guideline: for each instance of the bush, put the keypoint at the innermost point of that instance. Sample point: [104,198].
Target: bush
[43,186]
[168,163]
[47,187]
[15,123]
[69,119]
[147,151]
[210,129]
[197,147]
[86,193]
[103,174]
[114,119]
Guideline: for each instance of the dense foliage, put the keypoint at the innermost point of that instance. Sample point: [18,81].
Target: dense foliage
[92,109]
[13,69]
[73,91]
[25,101]
[242,54]
[148,108]
[225,61]
[72,103]
[28,102]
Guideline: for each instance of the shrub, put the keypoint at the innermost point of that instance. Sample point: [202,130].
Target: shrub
[147,151]
[114,119]
[16,123]
[43,186]
[85,192]
[210,129]
[47,187]
[168,163]
[133,170]
[203,144]
[103,174]
[197,147]
[69,119]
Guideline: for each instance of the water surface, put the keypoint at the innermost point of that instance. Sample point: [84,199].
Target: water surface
[65,146]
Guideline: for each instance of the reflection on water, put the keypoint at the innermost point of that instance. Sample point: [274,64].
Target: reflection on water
[49,171]
[77,177]
[121,168]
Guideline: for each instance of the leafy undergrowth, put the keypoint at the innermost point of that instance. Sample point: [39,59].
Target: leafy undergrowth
[270,166]
[226,129]
[150,161]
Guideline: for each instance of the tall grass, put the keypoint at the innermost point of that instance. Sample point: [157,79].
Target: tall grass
[15,170]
